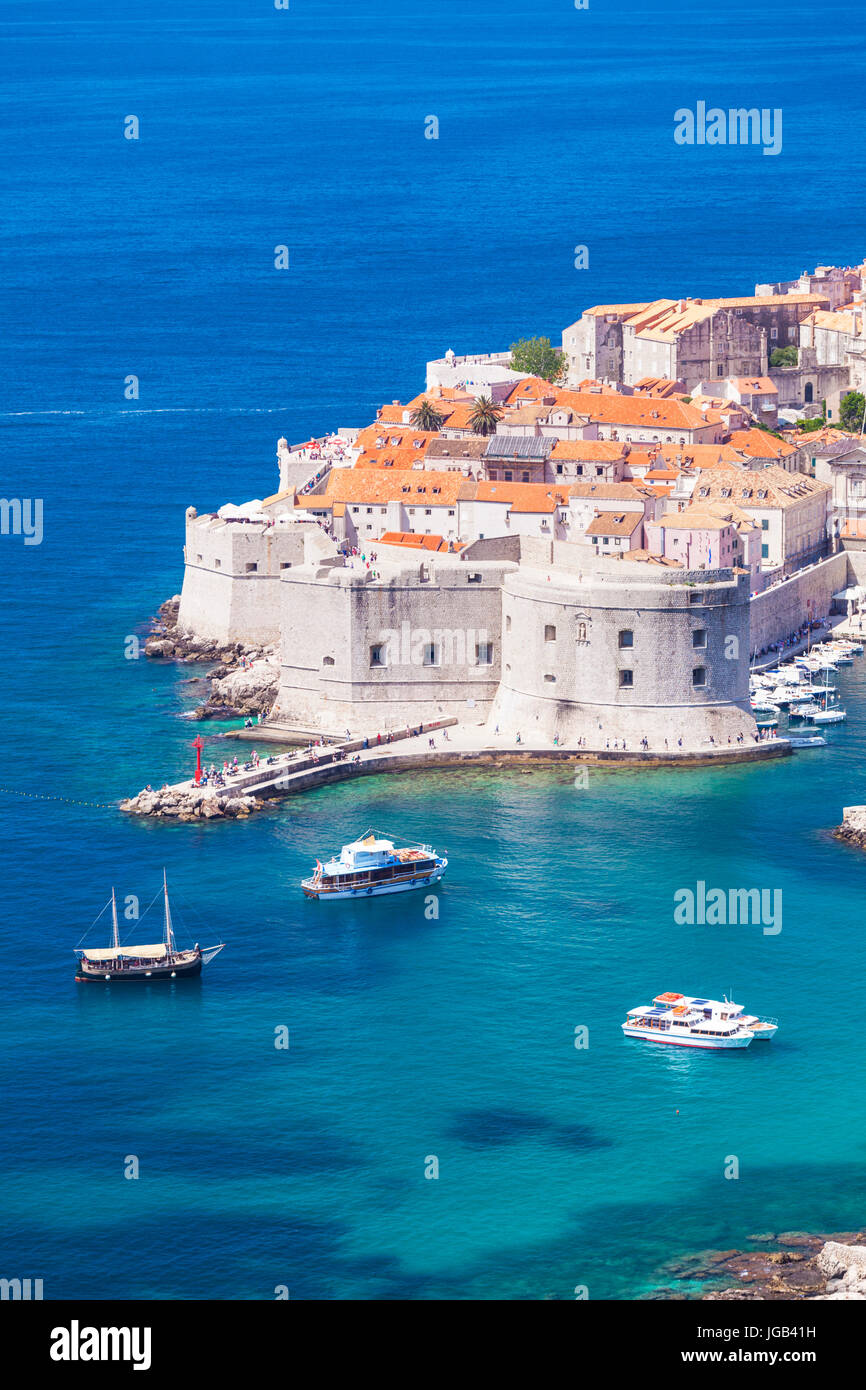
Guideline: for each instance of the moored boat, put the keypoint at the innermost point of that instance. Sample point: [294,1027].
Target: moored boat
[687,1021]
[373,866]
[161,960]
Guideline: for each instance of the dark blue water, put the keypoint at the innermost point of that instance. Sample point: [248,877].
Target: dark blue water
[409,1037]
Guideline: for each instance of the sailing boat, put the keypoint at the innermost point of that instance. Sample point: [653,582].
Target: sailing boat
[159,961]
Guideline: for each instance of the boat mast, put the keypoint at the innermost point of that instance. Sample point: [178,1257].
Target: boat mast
[169,934]
[115,938]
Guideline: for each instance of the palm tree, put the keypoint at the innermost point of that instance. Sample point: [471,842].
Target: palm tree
[426,417]
[485,416]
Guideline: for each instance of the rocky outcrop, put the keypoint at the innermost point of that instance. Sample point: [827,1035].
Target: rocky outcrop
[845,1266]
[853,827]
[194,803]
[244,690]
[244,679]
[804,1267]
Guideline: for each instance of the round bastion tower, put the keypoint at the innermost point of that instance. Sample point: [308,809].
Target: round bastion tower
[627,651]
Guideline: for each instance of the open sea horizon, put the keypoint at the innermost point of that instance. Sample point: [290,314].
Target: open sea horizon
[410,1038]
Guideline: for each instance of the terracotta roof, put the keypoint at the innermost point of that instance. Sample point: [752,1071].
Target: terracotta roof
[758,444]
[522,497]
[699,456]
[649,412]
[693,519]
[415,542]
[610,492]
[375,485]
[770,488]
[531,388]
[470,447]
[615,524]
[391,446]
[755,383]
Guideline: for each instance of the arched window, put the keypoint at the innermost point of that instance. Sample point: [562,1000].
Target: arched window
[809,396]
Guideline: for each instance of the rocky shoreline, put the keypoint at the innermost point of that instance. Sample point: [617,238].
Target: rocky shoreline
[243,679]
[853,828]
[802,1266]
[196,803]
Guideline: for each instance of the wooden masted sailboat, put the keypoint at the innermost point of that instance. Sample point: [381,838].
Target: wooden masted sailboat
[158,961]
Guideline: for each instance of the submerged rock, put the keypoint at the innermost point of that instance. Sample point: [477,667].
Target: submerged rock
[811,1267]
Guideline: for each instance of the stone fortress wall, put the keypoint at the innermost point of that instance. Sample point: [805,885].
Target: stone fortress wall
[419,643]
[624,651]
[232,571]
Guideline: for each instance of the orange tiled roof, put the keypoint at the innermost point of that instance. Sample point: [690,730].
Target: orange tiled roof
[522,497]
[381,485]
[614,524]
[757,444]
[414,541]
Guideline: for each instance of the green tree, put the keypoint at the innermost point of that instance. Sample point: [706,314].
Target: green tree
[485,416]
[426,417]
[784,357]
[851,411]
[538,358]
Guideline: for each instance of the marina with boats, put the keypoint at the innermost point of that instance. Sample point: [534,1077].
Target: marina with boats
[799,693]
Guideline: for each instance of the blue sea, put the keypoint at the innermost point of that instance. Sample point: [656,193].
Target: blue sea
[411,1038]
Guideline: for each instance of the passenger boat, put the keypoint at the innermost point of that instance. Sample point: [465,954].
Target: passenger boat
[160,960]
[687,1021]
[372,866]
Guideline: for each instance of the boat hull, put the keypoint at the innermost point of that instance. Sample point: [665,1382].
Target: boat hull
[706,1044]
[177,970]
[373,890]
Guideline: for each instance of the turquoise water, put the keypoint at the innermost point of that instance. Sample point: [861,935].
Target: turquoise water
[410,1036]
[451,1037]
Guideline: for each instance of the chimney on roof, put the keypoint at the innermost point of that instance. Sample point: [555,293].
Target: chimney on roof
[682,305]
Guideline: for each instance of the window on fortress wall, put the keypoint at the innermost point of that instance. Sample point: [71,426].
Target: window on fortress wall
[473,578]
[484,653]
[199,558]
[699,637]
[252,566]
[549,633]
[696,598]
[699,676]
[378,654]
[285,564]
[507,622]
[217,564]
[329,661]
[550,679]
[626,638]
[431,655]
[626,680]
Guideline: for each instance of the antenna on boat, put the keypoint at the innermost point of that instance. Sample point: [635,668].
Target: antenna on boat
[115,938]
[169,934]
